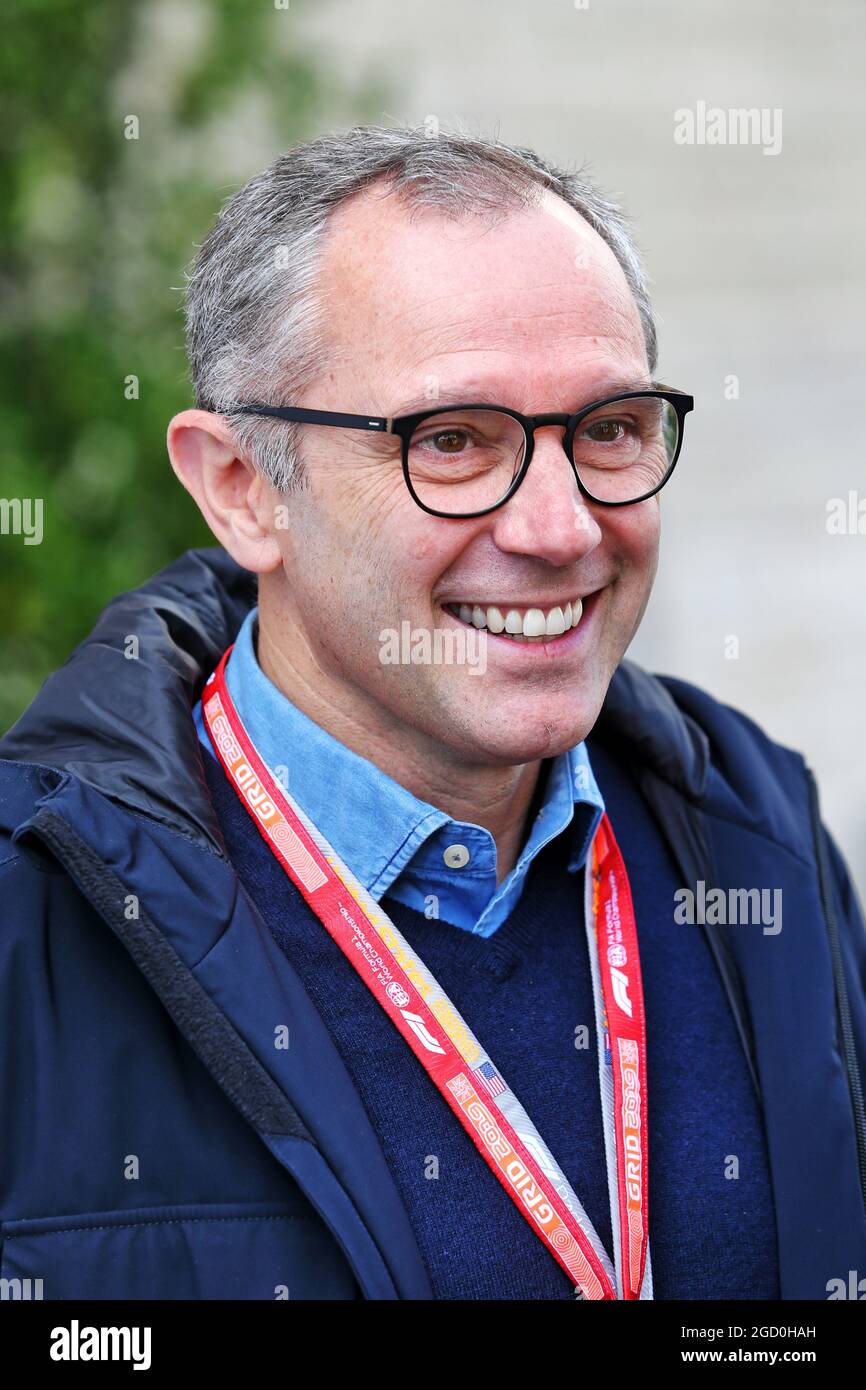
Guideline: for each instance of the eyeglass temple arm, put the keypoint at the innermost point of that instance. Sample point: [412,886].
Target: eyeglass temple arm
[317,417]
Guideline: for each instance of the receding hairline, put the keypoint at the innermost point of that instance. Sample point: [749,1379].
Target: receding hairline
[338,234]
[254,328]
[513,196]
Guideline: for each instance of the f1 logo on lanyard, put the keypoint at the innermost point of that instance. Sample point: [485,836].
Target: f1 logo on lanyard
[621,1025]
[445,1046]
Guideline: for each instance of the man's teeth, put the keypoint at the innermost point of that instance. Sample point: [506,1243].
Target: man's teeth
[532,623]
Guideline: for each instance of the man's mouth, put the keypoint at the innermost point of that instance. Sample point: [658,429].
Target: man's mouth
[521,622]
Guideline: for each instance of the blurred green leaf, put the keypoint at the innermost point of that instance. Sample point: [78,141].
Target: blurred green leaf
[95,233]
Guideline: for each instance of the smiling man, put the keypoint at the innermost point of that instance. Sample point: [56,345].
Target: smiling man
[361,977]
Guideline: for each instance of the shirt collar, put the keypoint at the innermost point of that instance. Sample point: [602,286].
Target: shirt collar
[315,768]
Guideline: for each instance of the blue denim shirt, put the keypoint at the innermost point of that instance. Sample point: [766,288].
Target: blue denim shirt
[393,842]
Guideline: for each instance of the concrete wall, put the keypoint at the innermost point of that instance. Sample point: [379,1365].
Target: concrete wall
[757,275]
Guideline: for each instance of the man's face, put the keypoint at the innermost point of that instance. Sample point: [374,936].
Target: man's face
[534,314]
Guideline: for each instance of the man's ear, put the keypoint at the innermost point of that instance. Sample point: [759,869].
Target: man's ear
[234,499]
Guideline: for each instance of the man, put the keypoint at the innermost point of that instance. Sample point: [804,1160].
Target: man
[373,967]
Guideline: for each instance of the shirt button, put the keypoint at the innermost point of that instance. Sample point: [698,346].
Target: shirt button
[456,856]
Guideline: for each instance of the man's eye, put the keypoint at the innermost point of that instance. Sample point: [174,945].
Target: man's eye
[605,431]
[449,441]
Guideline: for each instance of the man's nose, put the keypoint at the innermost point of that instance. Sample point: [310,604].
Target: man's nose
[548,515]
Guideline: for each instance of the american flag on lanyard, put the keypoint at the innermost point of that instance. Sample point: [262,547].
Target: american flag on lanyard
[490,1079]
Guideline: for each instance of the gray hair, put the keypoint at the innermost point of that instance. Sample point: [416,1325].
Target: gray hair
[254,326]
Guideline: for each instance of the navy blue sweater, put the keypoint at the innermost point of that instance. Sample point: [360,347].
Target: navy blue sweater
[524,992]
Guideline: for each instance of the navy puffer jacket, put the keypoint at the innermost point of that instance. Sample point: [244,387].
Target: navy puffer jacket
[135,973]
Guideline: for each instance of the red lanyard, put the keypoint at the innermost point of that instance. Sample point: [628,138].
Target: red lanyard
[445,1046]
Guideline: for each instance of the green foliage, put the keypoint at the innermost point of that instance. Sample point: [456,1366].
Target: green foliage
[96,230]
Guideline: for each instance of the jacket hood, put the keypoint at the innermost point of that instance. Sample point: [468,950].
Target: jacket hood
[117,713]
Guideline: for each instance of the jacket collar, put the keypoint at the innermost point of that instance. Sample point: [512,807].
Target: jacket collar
[117,714]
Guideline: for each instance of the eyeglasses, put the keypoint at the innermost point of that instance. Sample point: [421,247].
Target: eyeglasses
[467,460]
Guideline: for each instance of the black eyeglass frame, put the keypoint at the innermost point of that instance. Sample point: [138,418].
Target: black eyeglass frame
[404,427]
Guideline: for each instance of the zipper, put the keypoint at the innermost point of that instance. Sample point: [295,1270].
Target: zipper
[843,1009]
[222,1050]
